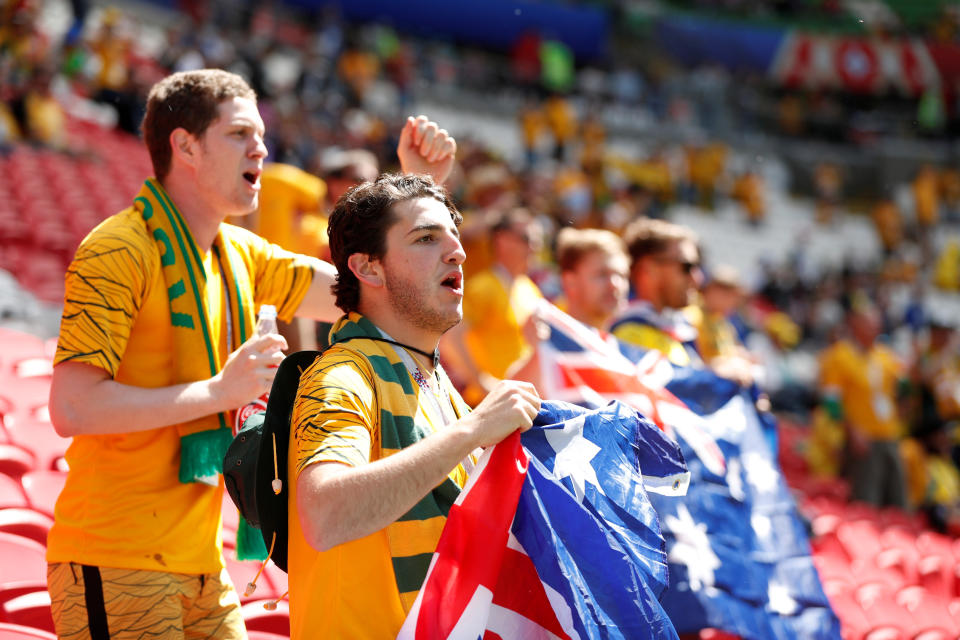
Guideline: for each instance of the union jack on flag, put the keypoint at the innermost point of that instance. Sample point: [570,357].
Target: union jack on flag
[554,535]
[738,553]
[579,365]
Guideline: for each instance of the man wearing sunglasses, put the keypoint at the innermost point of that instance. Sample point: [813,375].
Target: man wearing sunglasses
[664,276]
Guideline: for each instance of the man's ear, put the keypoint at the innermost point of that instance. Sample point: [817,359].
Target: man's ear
[367,270]
[184,146]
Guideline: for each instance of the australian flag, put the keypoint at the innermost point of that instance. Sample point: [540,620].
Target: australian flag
[554,535]
[738,555]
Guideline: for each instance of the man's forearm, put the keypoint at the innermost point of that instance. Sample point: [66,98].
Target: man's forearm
[319,302]
[337,503]
[105,406]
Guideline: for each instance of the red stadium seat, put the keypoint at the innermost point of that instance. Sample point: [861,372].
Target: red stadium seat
[898,537]
[278,578]
[30,610]
[42,488]
[898,560]
[833,566]
[887,632]
[865,571]
[27,523]
[929,610]
[933,543]
[19,632]
[862,511]
[257,618]
[22,559]
[879,603]
[935,634]
[860,539]
[893,516]
[953,608]
[11,590]
[935,574]
[11,493]
[15,461]
[17,345]
[38,436]
[254,635]
[825,523]
[852,618]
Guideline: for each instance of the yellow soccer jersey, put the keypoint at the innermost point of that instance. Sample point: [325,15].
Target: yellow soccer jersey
[495,317]
[350,409]
[123,505]
[287,193]
[866,385]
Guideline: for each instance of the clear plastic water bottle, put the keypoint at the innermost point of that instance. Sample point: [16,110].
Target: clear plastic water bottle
[266,324]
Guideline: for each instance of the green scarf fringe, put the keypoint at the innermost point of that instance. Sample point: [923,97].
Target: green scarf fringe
[201,454]
[250,545]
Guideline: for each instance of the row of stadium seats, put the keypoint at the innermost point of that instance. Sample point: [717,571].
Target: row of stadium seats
[888,576]
[50,200]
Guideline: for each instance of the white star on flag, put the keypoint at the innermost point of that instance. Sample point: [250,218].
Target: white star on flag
[735,480]
[729,421]
[692,549]
[780,599]
[574,453]
[760,472]
[762,525]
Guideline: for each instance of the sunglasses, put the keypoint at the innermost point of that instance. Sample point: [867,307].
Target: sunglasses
[685,265]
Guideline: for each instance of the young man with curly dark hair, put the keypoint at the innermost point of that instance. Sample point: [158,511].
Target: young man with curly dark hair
[381,441]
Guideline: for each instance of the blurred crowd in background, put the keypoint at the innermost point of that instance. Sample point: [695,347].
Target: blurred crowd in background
[584,145]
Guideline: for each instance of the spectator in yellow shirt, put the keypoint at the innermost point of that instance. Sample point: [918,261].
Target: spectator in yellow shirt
[886,219]
[288,196]
[155,351]
[926,197]
[562,122]
[859,382]
[750,191]
[497,303]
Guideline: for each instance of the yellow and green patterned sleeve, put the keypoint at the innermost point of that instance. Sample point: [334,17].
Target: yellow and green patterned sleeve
[335,414]
[105,286]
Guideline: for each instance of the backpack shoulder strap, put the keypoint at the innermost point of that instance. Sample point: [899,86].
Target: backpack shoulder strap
[272,485]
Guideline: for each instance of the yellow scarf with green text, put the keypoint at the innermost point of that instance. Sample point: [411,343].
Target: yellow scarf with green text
[203,441]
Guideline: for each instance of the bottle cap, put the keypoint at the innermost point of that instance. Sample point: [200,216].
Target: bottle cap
[268,311]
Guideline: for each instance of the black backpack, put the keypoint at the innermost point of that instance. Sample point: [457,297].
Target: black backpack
[255,465]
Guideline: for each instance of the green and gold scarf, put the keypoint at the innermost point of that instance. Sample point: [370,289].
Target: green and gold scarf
[204,441]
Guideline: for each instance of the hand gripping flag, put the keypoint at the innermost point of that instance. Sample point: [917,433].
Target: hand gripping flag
[556,538]
[738,555]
